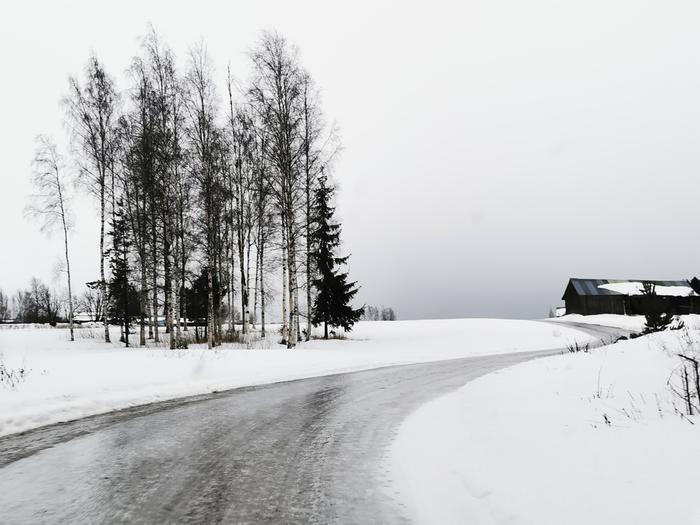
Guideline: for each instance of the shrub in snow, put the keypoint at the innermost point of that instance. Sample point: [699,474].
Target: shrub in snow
[685,380]
[89,333]
[10,377]
[575,347]
[181,343]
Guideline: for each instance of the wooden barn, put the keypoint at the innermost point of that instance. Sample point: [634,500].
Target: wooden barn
[624,297]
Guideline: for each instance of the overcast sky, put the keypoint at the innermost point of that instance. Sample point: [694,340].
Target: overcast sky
[492,149]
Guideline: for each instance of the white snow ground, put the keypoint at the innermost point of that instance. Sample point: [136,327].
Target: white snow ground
[70,380]
[577,439]
[628,322]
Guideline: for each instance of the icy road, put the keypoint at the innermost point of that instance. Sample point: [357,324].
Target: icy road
[306,451]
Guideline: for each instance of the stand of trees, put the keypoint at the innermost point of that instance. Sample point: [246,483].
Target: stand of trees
[36,304]
[5,311]
[203,206]
[376,313]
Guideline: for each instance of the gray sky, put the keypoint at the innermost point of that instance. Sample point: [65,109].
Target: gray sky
[491,148]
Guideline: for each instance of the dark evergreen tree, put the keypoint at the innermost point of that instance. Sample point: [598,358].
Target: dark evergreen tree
[124,301]
[197,298]
[334,292]
[656,309]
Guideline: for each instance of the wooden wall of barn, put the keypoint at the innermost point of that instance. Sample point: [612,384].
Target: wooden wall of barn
[625,305]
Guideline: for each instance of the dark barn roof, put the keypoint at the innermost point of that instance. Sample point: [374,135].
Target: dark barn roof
[592,286]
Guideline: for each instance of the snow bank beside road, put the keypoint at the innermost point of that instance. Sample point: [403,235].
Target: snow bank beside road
[627,322]
[71,380]
[578,439]
[635,323]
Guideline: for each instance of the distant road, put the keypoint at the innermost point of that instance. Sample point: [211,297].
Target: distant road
[306,451]
[606,334]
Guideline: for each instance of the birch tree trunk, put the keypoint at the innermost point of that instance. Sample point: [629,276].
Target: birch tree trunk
[144,301]
[229,283]
[183,269]
[210,284]
[65,244]
[307,187]
[292,277]
[244,283]
[154,269]
[170,292]
[256,285]
[167,277]
[309,304]
[247,280]
[285,289]
[70,288]
[262,290]
[103,283]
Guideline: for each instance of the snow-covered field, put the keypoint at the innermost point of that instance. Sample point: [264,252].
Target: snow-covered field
[67,380]
[579,438]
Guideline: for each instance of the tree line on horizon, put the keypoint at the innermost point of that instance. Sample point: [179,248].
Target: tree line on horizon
[377,313]
[202,202]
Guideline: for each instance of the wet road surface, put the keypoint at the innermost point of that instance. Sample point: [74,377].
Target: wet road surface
[306,451]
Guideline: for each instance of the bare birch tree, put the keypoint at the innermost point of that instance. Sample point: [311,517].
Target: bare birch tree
[92,113]
[200,106]
[242,165]
[166,102]
[276,95]
[50,202]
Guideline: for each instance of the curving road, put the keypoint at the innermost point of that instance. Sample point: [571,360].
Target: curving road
[305,451]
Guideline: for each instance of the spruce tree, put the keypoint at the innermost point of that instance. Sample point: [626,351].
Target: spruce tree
[197,296]
[657,316]
[334,292]
[124,304]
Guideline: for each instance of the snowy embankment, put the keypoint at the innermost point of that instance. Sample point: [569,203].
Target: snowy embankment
[628,322]
[635,323]
[66,380]
[581,438]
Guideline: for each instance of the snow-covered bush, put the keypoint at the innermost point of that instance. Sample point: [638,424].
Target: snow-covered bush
[685,379]
[576,347]
[11,377]
[89,333]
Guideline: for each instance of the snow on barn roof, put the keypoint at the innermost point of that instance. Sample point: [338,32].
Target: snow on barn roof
[679,288]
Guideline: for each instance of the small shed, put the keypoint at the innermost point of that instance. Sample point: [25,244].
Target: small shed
[625,297]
